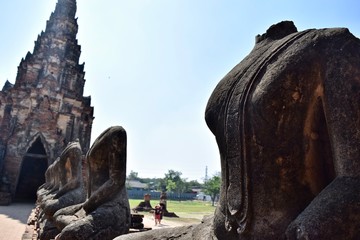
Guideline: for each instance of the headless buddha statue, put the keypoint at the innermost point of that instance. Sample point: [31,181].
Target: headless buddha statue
[106,212]
[287,123]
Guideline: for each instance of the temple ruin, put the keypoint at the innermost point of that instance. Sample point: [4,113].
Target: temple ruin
[45,109]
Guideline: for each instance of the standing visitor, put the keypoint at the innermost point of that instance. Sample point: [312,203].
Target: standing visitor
[158,214]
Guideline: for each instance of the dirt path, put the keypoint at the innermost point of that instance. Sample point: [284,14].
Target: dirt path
[13,220]
[149,222]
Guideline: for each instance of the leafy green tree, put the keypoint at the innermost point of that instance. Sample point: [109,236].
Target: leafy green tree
[173,175]
[212,187]
[171,185]
[161,185]
[180,187]
[133,175]
[194,184]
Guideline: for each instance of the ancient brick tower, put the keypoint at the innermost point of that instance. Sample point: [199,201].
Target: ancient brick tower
[45,108]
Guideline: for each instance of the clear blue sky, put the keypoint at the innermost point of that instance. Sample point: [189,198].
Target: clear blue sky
[151,65]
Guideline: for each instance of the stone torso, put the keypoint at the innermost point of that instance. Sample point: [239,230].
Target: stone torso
[271,116]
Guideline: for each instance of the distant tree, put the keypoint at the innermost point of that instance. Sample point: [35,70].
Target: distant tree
[194,184]
[180,184]
[161,185]
[186,186]
[181,187]
[133,176]
[171,185]
[173,175]
[212,187]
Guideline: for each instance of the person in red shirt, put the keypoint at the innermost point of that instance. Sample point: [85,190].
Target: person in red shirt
[158,214]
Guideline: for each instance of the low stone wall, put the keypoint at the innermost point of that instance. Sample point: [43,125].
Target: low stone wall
[31,230]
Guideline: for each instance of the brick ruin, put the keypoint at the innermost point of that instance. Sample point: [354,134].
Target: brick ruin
[45,109]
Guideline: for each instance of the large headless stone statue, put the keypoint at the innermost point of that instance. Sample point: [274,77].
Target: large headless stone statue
[71,189]
[52,182]
[106,212]
[63,187]
[287,123]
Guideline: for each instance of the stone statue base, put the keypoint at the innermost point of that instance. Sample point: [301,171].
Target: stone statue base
[144,206]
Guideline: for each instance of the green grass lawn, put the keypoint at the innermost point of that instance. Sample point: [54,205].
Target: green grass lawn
[188,211]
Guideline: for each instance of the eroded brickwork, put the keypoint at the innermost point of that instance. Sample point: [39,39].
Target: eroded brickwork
[45,108]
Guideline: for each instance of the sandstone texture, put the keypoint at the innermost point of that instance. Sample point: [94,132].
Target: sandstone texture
[69,190]
[105,213]
[287,123]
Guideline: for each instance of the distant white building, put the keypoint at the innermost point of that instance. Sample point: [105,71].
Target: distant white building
[202,196]
[136,185]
